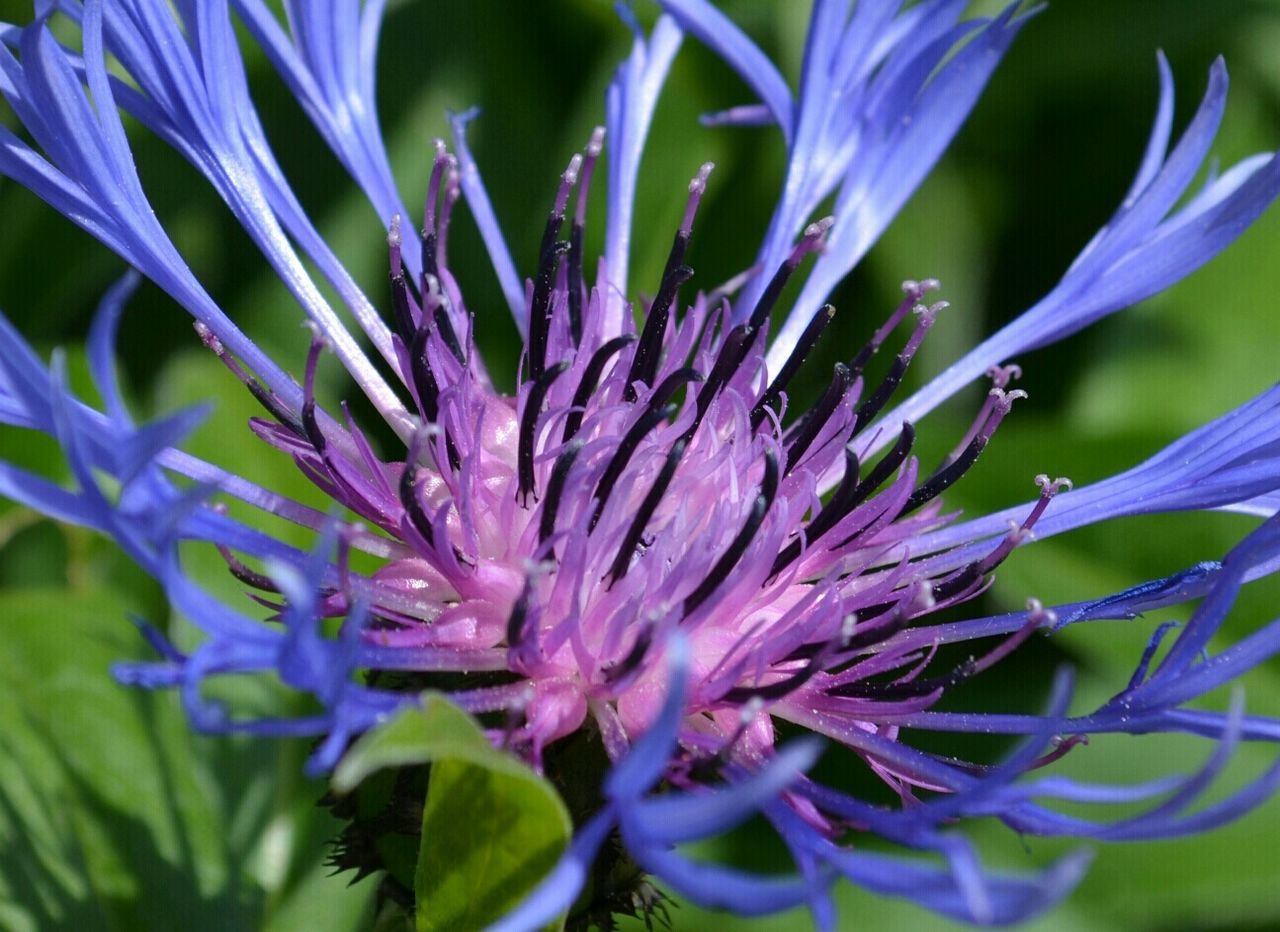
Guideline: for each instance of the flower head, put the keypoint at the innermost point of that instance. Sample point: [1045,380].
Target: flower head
[647,544]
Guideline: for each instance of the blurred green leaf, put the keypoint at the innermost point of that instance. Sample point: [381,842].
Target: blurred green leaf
[108,818]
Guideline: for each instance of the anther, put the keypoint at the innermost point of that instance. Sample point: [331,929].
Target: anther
[408,490]
[614,673]
[528,429]
[438,168]
[577,285]
[914,291]
[819,414]
[273,404]
[423,377]
[732,351]
[242,572]
[622,562]
[309,422]
[644,362]
[590,379]
[407,312]
[813,238]
[517,621]
[794,361]
[723,567]
[946,476]
[626,448]
[888,464]
[830,513]
[434,297]
[540,308]
[452,190]
[555,488]
[868,410]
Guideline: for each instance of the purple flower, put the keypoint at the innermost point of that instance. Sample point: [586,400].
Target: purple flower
[645,544]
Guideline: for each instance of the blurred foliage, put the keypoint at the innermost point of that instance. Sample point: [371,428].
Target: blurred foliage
[113,816]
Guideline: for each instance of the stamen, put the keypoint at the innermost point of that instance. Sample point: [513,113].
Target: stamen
[803,346]
[577,285]
[555,488]
[407,312]
[644,362]
[429,256]
[914,292]
[888,464]
[622,562]
[916,600]
[672,383]
[738,341]
[528,429]
[729,559]
[814,236]
[890,692]
[1021,533]
[734,348]
[819,414]
[622,454]
[408,490]
[242,572]
[452,190]
[555,219]
[424,379]
[309,422]
[517,621]
[613,673]
[945,477]
[435,295]
[751,709]
[835,509]
[1000,377]
[273,404]
[590,379]
[775,691]
[873,405]
[540,308]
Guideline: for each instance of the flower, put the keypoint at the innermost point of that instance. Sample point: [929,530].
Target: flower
[644,545]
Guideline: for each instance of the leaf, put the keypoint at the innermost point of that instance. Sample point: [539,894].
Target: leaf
[108,816]
[492,828]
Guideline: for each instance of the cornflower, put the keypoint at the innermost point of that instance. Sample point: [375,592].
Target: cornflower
[644,562]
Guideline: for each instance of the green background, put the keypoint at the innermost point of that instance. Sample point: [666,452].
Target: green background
[113,816]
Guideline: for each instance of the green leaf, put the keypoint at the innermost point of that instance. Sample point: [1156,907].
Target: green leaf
[492,828]
[108,817]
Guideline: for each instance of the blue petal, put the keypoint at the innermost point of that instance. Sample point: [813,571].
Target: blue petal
[1143,248]
[629,106]
[482,211]
[690,816]
[1234,458]
[647,760]
[720,34]
[715,887]
[102,345]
